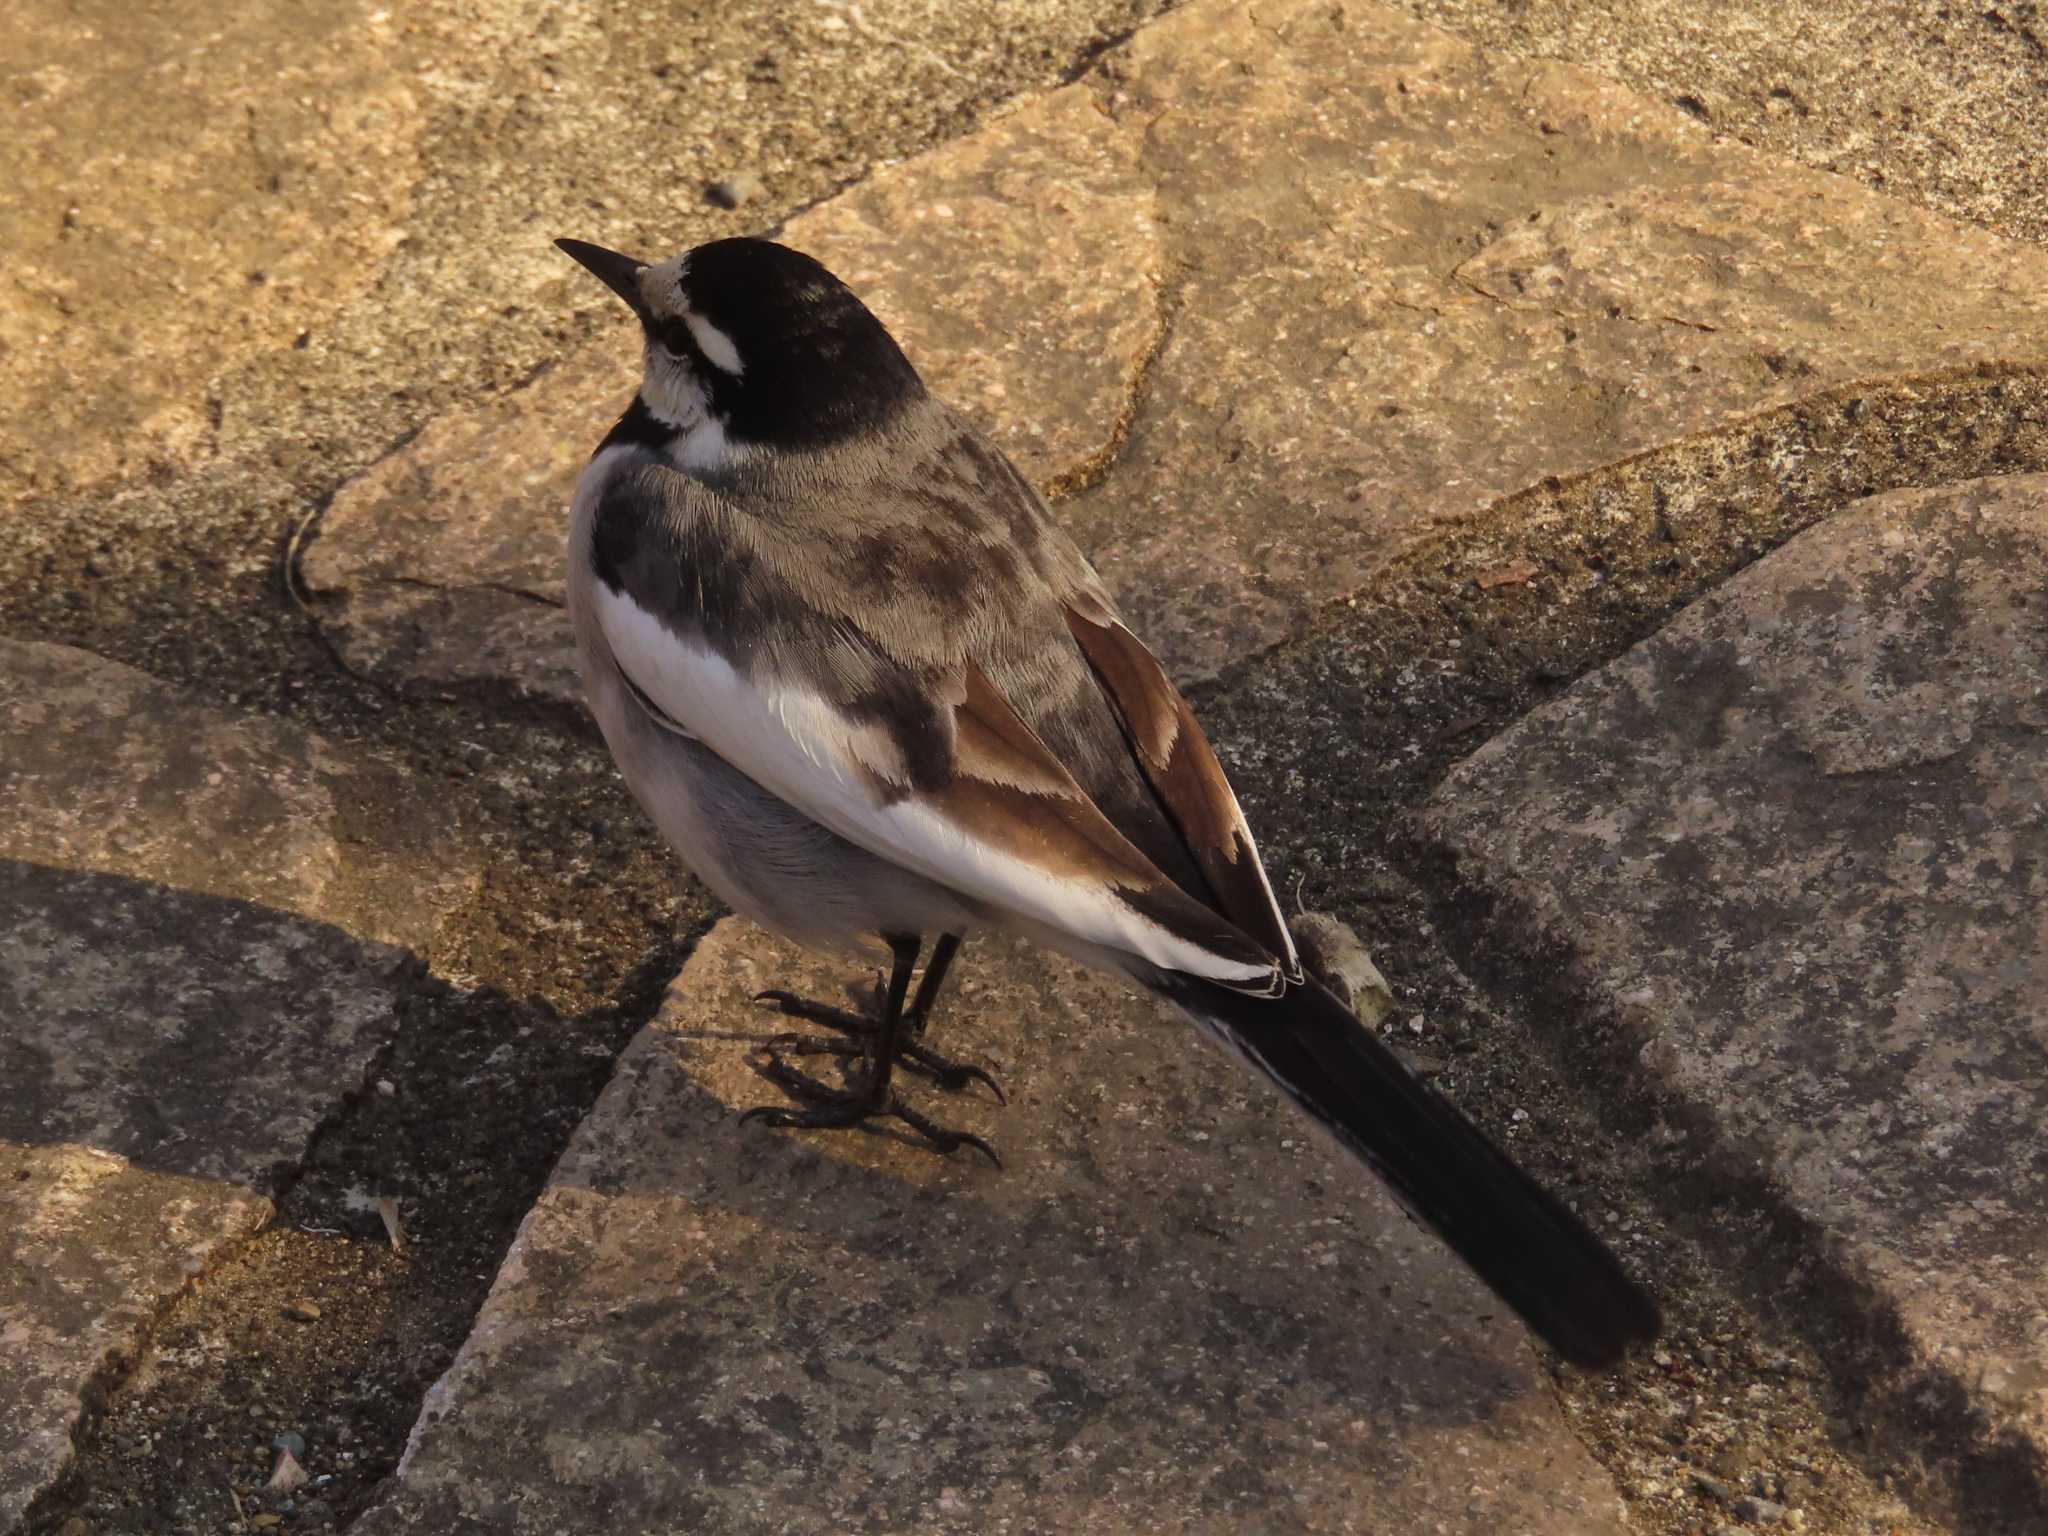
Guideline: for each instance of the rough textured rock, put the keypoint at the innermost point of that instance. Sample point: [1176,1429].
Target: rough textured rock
[109,771]
[1173,1310]
[451,549]
[1428,277]
[199,954]
[1336,277]
[255,136]
[203,1036]
[1795,839]
[1937,103]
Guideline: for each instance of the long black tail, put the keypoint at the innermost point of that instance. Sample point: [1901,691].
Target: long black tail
[1519,1238]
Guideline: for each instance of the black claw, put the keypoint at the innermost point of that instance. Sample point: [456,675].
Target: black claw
[963,1139]
[953,1076]
[938,1137]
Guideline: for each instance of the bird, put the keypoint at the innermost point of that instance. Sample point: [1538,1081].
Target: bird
[860,679]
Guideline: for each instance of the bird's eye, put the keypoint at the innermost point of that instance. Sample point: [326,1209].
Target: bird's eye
[673,337]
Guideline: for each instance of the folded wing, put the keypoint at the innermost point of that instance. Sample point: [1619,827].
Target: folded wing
[984,809]
[1182,769]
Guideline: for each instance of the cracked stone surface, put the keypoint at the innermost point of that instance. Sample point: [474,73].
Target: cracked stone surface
[91,1245]
[1350,277]
[1795,841]
[1174,1310]
[202,946]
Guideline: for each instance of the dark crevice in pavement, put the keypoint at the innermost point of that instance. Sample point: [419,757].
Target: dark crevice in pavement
[90,1436]
[1092,53]
[48,1510]
[1615,525]
[1099,465]
[302,535]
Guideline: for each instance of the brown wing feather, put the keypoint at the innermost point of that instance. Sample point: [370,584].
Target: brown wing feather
[1010,792]
[1185,775]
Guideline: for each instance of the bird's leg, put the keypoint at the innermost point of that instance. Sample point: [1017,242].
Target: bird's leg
[928,984]
[953,1076]
[881,1041]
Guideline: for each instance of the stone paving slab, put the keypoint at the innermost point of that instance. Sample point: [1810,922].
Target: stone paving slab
[1276,290]
[1937,103]
[198,955]
[1797,840]
[107,770]
[1173,1310]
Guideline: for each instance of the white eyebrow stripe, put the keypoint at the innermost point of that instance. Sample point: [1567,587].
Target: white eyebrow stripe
[716,346]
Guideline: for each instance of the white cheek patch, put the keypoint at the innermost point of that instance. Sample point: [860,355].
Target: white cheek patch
[676,398]
[717,347]
[671,393]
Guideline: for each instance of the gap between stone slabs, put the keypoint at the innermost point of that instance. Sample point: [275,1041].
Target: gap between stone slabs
[197,957]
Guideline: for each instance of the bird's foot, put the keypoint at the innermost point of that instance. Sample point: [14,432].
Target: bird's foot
[953,1076]
[829,1108]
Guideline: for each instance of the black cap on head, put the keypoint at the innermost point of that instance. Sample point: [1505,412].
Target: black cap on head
[815,365]
[784,352]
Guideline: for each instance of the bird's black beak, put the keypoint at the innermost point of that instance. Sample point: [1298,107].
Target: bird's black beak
[617,271]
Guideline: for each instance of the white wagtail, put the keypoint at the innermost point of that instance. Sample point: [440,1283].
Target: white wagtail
[861,680]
